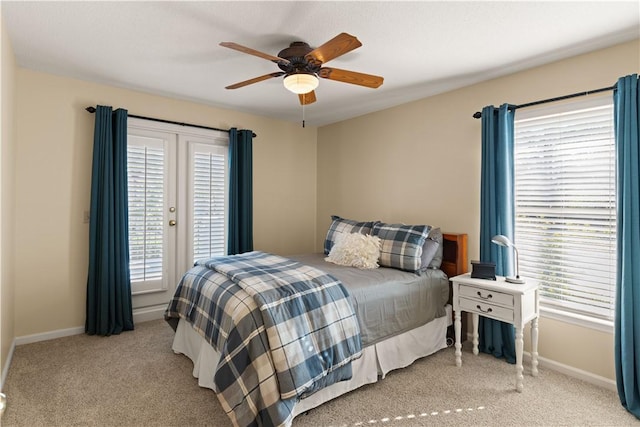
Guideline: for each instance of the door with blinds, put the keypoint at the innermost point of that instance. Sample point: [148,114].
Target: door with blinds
[177,182]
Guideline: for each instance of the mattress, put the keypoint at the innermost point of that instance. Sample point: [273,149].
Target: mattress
[388,301]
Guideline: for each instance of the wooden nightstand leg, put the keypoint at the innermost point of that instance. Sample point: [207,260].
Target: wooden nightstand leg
[457,325]
[476,321]
[519,369]
[534,347]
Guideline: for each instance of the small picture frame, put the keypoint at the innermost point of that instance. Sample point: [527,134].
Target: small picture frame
[483,270]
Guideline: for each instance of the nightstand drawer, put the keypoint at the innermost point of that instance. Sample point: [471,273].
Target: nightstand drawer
[486,295]
[487,309]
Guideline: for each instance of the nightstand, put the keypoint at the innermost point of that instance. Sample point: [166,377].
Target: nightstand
[496,299]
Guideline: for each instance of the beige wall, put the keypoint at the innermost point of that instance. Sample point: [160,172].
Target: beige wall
[53,174]
[7,73]
[401,164]
[420,163]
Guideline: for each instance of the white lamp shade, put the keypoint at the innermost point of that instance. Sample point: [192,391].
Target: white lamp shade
[301,83]
[502,241]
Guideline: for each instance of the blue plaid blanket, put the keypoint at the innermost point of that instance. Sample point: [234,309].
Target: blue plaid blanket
[284,330]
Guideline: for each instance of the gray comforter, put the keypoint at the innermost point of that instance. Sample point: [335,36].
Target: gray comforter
[388,301]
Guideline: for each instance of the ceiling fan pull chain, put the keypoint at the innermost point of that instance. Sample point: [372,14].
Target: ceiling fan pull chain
[302,115]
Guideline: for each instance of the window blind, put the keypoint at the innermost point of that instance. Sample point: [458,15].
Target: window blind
[565,214]
[145,170]
[209,196]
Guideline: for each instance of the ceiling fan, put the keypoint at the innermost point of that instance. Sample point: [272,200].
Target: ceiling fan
[302,65]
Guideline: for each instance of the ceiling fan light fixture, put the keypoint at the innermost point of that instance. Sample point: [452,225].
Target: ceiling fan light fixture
[301,83]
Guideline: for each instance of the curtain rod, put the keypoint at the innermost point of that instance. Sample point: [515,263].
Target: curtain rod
[478,114]
[93,110]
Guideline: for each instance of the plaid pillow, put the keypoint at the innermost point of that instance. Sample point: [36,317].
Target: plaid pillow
[401,245]
[341,225]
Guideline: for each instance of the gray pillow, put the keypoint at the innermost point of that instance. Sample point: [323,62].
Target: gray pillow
[432,250]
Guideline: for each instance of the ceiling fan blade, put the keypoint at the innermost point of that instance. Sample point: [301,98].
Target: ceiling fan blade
[244,49]
[352,77]
[307,98]
[254,80]
[339,45]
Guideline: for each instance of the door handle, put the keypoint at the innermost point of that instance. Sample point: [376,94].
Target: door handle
[172,223]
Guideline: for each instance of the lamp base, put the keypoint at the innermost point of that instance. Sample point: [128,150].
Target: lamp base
[517,280]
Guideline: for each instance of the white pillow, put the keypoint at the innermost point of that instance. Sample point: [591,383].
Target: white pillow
[355,250]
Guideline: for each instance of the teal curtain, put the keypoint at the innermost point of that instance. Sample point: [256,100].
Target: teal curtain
[627,317]
[109,308]
[497,217]
[240,191]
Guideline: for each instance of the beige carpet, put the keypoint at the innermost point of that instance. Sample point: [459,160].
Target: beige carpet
[135,379]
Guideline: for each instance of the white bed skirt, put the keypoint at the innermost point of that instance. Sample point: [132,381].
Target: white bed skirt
[376,361]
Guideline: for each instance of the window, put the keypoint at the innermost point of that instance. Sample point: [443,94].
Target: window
[565,225]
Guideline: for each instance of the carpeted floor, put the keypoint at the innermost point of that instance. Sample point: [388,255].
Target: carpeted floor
[135,379]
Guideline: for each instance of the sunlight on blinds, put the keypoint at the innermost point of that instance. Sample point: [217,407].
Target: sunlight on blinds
[146,200]
[208,204]
[565,206]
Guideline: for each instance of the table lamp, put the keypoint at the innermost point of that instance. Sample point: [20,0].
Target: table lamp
[504,241]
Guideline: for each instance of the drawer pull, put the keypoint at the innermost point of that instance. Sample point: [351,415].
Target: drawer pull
[487,297]
[484,311]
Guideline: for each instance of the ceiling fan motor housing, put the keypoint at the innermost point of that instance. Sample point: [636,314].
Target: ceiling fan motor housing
[295,54]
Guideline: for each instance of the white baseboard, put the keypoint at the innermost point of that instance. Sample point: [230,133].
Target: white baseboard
[51,335]
[7,363]
[139,315]
[589,377]
[149,313]
[573,372]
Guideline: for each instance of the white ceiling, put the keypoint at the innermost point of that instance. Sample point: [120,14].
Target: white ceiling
[420,48]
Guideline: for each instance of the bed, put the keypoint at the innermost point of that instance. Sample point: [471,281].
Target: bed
[399,316]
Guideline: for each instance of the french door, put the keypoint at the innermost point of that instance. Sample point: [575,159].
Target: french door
[177,182]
